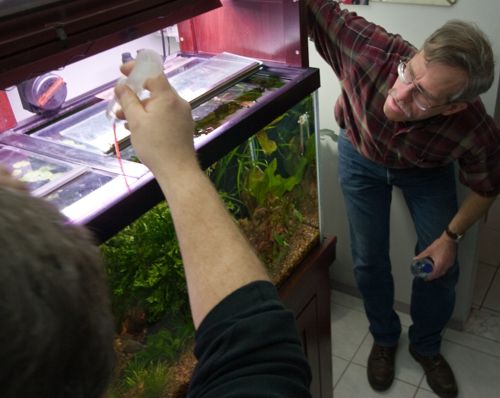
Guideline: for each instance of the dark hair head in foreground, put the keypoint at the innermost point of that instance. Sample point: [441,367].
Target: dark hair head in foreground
[56,330]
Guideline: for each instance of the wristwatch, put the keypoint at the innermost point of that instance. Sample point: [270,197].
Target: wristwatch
[452,235]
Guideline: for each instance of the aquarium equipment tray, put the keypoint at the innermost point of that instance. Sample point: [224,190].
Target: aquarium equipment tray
[79,156]
[200,78]
[108,201]
[74,189]
[196,79]
[297,83]
[78,198]
[78,188]
[79,183]
[41,174]
[88,130]
[94,133]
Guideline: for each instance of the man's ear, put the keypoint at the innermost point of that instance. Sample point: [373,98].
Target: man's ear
[454,108]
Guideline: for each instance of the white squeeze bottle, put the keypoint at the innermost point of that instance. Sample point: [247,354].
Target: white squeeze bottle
[148,63]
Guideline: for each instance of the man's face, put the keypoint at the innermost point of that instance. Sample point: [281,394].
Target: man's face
[422,90]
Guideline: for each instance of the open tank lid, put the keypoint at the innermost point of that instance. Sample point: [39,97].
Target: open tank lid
[274,31]
[40,36]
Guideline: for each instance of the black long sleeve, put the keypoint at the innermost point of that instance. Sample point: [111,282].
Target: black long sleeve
[248,346]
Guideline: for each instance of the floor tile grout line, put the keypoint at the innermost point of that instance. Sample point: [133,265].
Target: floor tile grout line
[417,386]
[488,353]
[485,296]
[474,335]
[350,362]
[349,307]
[478,307]
[420,384]
[352,357]
[458,331]
[343,372]
[493,311]
[496,311]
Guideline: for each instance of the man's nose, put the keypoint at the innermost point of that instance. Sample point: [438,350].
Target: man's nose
[405,92]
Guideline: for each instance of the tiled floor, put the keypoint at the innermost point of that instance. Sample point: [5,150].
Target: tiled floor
[474,354]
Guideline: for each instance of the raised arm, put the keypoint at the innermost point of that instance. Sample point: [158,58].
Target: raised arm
[347,41]
[217,258]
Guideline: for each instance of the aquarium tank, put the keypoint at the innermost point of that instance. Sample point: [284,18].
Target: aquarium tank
[268,183]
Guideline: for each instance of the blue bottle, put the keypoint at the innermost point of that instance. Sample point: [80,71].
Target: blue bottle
[422,268]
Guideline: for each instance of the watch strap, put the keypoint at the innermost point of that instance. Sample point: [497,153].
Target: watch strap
[452,235]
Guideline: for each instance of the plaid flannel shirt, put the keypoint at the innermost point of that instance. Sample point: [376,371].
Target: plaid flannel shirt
[365,58]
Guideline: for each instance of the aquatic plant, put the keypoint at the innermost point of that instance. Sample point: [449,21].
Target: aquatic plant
[264,183]
[144,267]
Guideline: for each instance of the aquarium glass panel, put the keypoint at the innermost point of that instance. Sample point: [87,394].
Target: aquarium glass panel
[77,189]
[36,171]
[94,133]
[227,104]
[198,80]
[269,183]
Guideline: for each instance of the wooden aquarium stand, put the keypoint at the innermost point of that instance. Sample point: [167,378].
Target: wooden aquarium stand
[307,293]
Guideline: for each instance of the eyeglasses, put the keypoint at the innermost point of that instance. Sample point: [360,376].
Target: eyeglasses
[419,97]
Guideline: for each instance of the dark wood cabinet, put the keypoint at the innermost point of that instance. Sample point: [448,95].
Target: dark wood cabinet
[307,294]
[39,36]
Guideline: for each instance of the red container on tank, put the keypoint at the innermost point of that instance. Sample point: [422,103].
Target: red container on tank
[7,118]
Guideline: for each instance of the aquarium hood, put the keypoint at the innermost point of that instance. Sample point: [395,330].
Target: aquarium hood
[40,36]
[63,150]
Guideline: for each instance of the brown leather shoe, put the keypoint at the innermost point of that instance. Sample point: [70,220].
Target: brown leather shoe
[381,367]
[439,374]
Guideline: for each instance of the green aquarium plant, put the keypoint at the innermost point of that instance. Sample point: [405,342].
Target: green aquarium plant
[264,182]
[150,303]
[144,268]
[150,372]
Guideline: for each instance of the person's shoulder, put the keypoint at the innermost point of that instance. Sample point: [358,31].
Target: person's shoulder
[476,116]
[476,127]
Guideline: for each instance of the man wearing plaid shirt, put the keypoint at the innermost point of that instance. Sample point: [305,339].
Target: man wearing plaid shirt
[406,115]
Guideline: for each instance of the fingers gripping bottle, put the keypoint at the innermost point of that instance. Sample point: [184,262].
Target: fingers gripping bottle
[148,64]
[421,268]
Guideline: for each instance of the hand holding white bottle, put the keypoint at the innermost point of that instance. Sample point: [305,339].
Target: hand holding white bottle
[148,64]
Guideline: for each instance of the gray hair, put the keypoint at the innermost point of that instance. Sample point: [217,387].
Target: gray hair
[56,335]
[462,44]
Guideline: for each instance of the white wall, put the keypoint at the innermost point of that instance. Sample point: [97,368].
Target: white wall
[414,23]
[91,72]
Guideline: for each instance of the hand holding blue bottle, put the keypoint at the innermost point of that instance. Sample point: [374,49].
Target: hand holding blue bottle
[422,267]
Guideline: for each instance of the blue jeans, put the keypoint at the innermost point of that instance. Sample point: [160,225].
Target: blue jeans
[430,195]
